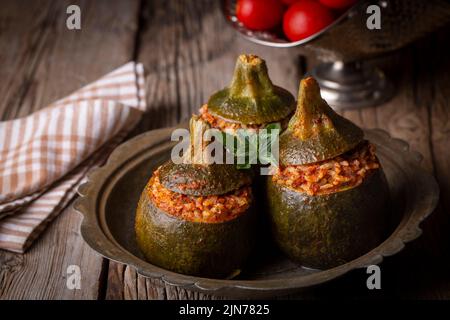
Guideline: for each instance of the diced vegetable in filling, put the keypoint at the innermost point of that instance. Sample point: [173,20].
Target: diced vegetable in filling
[342,172]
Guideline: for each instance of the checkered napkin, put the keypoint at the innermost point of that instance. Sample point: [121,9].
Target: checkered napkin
[45,156]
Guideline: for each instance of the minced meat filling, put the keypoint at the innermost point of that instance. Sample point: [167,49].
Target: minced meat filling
[342,172]
[223,125]
[209,209]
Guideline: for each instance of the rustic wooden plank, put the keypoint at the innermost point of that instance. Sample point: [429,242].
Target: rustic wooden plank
[44,61]
[185,64]
[440,124]
[185,61]
[409,274]
[403,119]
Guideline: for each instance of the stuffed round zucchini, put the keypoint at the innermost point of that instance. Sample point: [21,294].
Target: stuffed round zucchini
[327,199]
[251,101]
[196,218]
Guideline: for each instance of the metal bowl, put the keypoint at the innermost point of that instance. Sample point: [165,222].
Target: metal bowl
[348,38]
[345,82]
[108,203]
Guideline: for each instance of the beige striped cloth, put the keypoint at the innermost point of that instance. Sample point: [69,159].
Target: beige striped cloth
[45,156]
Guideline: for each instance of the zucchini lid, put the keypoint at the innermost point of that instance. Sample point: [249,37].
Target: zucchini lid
[251,97]
[202,180]
[316,132]
[197,176]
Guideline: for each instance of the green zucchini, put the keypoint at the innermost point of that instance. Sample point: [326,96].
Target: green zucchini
[195,248]
[324,231]
[251,97]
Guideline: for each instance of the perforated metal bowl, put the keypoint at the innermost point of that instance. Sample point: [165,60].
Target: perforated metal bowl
[345,82]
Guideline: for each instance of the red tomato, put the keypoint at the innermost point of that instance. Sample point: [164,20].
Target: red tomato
[337,4]
[259,14]
[289,2]
[305,18]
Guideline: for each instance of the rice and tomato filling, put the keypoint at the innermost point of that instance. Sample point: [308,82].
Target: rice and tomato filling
[208,209]
[342,172]
[229,126]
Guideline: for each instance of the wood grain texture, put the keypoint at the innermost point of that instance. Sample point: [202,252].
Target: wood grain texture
[189,52]
[47,62]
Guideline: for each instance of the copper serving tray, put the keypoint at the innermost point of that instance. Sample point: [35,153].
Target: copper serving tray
[108,202]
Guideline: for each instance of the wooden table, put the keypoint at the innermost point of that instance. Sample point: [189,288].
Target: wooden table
[188,52]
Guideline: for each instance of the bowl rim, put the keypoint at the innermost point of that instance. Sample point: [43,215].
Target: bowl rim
[96,236]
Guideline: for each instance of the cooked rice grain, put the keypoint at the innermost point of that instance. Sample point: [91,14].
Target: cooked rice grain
[208,209]
[343,172]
